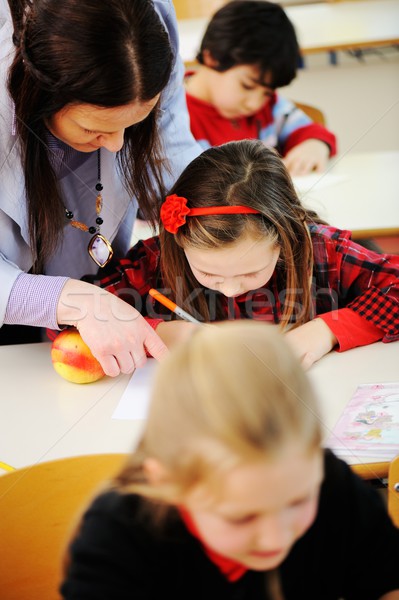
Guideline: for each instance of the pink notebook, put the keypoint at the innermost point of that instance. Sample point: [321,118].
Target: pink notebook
[369,424]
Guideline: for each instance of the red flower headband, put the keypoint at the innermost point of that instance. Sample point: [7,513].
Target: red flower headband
[174,212]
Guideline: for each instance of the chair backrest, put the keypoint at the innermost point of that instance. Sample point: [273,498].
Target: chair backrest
[393,490]
[194,9]
[314,113]
[40,506]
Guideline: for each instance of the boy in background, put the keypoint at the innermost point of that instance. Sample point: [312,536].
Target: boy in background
[250,49]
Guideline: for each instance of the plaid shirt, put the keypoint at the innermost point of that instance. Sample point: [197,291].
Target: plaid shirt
[354,290]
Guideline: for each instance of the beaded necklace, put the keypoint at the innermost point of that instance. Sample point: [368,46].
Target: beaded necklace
[99,248]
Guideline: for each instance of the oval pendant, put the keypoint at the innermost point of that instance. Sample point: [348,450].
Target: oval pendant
[100,250]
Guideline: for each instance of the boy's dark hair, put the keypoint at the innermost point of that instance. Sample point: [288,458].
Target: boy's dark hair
[249,32]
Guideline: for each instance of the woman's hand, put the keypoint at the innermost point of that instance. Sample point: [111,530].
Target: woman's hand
[115,332]
[310,155]
[311,341]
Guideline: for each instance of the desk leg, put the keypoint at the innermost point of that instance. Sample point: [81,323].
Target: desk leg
[333,57]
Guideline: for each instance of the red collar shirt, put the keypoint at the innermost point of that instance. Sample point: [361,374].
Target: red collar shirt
[279,124]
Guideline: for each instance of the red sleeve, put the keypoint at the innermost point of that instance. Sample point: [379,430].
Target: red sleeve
[357,289]
[350,329]
[312,131]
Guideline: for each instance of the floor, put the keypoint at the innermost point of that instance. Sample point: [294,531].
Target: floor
[360,98]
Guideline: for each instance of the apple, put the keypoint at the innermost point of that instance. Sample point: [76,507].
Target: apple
[72,358]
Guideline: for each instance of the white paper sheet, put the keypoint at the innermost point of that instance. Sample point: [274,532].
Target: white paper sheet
[135,400]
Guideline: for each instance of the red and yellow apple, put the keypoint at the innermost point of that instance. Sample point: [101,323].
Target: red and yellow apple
[72,358]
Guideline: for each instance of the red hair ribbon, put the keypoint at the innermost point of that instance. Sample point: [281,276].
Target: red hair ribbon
[174,212]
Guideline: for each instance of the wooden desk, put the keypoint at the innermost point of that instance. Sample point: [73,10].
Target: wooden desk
[363,195]
[321,27]
[44,417]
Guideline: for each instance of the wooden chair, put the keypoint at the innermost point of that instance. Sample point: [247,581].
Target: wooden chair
[194,9]
[39,510]
[384,471]
[393,490]
[314,113]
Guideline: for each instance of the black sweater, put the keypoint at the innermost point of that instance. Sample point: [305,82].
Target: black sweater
[351,551]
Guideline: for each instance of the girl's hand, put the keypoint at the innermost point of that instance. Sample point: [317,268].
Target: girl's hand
[115,332]
[311,341]
[173,332]
[310,155]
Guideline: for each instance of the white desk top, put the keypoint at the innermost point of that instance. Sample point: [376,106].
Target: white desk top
[336,376]
[320,27]
[341,25]
[359,192]
[44,417]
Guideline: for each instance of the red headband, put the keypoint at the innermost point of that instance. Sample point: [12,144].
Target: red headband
[174,212]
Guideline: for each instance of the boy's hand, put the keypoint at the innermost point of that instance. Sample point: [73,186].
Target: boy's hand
[311,155]
[311,341]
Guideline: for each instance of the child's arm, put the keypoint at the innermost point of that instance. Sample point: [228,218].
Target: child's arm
[305,145]
[357,290]
[310,155]
[311,341]
[357,297]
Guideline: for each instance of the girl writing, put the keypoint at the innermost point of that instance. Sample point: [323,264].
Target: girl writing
[229,495]
[235,242]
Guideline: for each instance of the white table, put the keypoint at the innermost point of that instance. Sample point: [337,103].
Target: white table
[359,192]
[320,27]
[44,417]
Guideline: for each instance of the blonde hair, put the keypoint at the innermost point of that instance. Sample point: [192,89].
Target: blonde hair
[232,393]
[250,174]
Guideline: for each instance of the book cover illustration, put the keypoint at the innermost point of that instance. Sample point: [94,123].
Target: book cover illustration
[369,423]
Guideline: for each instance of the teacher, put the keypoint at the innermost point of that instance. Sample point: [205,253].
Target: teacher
[93,125]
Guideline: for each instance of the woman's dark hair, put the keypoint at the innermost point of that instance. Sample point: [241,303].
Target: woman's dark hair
[106,53]
[246,32]
[246,173]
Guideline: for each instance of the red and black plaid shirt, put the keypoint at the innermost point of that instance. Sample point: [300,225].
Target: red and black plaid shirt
[355,291]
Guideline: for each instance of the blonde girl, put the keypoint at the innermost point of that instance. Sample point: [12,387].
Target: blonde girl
[229,494]
[235,242]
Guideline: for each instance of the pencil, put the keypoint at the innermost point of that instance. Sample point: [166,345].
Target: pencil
[172,306]
[6,467]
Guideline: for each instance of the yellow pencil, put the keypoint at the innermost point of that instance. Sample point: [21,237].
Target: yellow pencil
[6,467]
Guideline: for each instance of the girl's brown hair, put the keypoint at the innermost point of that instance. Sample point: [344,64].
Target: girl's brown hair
[107,54]
[250,174]
[233,393]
